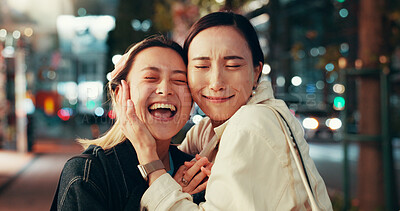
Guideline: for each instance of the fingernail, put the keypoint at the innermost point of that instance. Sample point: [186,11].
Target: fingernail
[129,102]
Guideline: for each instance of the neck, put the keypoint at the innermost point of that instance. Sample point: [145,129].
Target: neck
[162,151]
[215,123]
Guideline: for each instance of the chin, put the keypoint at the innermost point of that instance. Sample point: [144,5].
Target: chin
[163,134]
[218,115]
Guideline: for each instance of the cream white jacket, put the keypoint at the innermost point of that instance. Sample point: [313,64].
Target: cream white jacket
[253,169]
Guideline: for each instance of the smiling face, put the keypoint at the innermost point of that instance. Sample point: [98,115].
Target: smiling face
[221,72]
[159,91]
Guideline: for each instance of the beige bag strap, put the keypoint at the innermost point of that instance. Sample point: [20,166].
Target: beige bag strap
[303,176]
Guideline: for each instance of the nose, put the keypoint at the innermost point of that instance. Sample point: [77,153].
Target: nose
[164,88]
[216,79]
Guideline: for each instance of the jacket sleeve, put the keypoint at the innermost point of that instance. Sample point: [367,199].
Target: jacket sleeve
[251,172]
[238,181]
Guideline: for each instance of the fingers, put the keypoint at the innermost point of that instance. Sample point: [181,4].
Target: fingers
[189,164]
[198,157]
[206,171]
[125,95]
[179,175]
[191,172]
[127,105]
[195,182]
[199,188]
[119,102]
[193,175]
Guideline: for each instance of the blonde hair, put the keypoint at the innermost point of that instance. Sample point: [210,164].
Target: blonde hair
[115,135]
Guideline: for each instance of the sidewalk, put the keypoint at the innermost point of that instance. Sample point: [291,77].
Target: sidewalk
[28,180]
[13,163]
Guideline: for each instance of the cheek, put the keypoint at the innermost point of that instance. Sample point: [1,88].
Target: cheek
[185,96]
[196,84]
[139,98]
[135,94]
[196,79]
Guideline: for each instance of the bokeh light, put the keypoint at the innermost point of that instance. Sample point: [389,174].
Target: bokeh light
[339,88]
[343,13]
[28,32]
[266,69]
[329,67]
[310,123]
[280,81]
[296,81]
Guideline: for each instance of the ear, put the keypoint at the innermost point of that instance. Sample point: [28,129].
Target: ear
[257,72]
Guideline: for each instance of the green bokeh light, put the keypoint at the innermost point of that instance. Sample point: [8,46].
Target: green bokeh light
[90,104]
[339,102]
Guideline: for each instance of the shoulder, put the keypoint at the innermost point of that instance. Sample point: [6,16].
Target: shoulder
[82,166]
[197,137]
[259,125]
[81,174]
[200,128]
[253,117]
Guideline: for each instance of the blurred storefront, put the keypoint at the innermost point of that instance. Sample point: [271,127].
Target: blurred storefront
[53,70]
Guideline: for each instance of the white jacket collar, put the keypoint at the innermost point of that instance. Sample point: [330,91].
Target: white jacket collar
[263,92]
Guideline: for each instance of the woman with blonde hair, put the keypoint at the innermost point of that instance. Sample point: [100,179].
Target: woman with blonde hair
[107,175]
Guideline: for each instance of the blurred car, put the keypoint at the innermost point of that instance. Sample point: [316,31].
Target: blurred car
[320,125]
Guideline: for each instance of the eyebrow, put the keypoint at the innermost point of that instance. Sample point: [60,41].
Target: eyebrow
[156,69]
[225,58]
[201,58]
[179,71]
[233,57]
[151,68]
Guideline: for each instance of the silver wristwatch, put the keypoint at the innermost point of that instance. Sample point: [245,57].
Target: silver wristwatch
[148,168]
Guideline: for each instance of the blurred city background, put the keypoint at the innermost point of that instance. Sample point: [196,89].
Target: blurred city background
[336,63]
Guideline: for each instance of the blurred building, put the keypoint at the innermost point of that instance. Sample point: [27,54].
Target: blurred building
[52,68]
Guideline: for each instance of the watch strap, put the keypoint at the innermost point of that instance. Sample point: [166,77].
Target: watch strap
[148,168]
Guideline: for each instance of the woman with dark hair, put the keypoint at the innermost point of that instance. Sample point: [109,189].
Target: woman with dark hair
[254,167]
[105,176]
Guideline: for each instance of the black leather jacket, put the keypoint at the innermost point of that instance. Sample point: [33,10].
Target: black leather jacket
[105,180]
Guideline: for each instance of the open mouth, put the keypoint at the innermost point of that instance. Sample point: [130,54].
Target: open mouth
[162,110]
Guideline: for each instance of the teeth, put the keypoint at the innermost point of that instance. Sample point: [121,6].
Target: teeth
[162,105]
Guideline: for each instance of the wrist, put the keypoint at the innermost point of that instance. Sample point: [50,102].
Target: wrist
[151,167]
[147,155]
[155,175]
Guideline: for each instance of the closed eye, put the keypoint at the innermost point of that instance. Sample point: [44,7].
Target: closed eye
[200,67]
[180,82]
[150,79]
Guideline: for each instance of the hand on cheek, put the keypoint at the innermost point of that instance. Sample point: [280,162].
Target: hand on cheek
[133,128]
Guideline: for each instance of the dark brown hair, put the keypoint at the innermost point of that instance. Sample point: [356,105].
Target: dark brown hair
[228,19]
